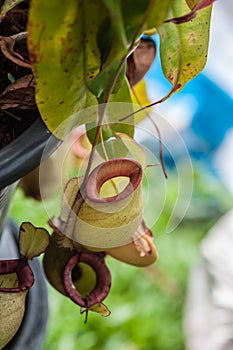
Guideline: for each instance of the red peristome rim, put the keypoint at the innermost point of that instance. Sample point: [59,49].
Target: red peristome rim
[110,169]
[23,271]
[103,279]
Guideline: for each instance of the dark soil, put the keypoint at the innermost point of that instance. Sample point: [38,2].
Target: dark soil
[17,89]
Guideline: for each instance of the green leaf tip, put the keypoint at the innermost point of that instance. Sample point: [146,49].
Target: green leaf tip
[7,6]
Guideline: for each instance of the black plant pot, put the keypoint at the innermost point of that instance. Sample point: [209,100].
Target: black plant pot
[24,153]
[16,160]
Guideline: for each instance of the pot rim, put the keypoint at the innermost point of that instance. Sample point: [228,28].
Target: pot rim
[24,153]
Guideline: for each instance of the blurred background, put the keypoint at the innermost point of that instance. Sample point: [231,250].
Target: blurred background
[157,308]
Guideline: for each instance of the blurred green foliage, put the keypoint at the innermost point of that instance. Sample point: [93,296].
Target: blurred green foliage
[147,305]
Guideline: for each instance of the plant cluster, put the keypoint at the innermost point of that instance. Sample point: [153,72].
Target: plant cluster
[85,59]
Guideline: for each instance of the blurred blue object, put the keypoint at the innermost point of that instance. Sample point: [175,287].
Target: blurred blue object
[211,110]
[213,116]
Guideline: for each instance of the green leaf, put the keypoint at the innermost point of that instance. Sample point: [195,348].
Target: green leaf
[112,146]
[7,6]
[119,106]
[184,46]
[111,37]
[134,149]
[100,308]
[76,48]
[127,21]
[65,57]
[146,14]
[123,25]
[191,3]
[101,85]
[198,4]
[32,240]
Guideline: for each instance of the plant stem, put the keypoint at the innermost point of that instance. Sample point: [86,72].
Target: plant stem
[163,99]
[80,197]
[104,106]
[158,132]
[102,110]
[171,92]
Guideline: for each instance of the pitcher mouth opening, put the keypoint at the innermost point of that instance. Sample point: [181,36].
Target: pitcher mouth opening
[23,271]
[103,279]
[112,169]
